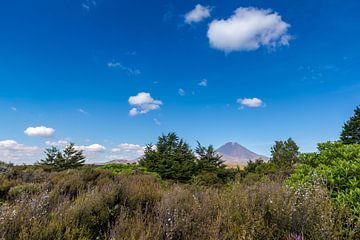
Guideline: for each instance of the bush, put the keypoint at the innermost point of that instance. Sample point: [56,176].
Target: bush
[91,203]
[336,166]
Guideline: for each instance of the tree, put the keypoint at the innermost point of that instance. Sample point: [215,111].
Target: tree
[285,153]
[52,157]
[208,159]
[171,158]
[69,158]
[210,167]
[351,130]
[72,157]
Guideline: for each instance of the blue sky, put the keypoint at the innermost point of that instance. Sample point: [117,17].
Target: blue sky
[111,76]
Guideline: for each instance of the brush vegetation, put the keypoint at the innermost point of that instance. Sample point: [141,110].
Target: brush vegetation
[178,193]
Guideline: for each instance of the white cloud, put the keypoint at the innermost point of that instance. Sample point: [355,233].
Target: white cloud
[181,92]
[198,14]
[157,122]
[250,102]
[129,71]
[40,131]
[143,103]
[59,143]
[248,29]
[12,151]
[81,110]
[203,83]
[88,4]
[92,148]
[14,109]
[127,151]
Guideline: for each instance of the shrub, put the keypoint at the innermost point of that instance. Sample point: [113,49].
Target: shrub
[336,166]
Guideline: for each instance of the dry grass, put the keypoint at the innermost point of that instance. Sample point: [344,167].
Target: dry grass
[96,204]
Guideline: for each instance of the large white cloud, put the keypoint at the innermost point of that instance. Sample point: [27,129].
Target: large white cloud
[248,29]
[198,14]
[250,102]
[40,131]
[12,151]
[143,103]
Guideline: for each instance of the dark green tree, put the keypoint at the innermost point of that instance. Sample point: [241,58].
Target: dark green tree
[72,157]
[351,130]
[208,159]
[210,167]
[285,154]
[69,158]
[53,155]
[171,158]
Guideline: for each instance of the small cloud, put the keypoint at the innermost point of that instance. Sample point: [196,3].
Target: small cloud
[129,71]
[127,151]
[92,148]
[59,143]
[203,83]
[157,122]
[248,29]
[198,14]
[131,53]
[80,110]
[14,109]
[250,102]
[143,103]
[181,92]
[88,4]
[40,131]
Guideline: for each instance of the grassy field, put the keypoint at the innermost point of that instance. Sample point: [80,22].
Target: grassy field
[126,202]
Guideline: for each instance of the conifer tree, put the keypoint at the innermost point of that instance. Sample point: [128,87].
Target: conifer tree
[69,158]
[351,130]
[208,159]
[52,156]
[171,158]
[72,158]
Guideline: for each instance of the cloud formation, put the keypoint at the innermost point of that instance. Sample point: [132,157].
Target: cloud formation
[248,29]
[92,148]
[157,122]
[143,103]
[203,83]
[129,71]
[250,102]
[198,14]
[181,92]
[12,151]
[127,151]
[40,131]
[59,143]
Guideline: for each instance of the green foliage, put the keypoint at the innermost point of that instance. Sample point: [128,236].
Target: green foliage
[127,169]
[91,203]
[69,158]
[351,130]
[208,159]
[337,166]
[171,158]
[284,154]
[210,168]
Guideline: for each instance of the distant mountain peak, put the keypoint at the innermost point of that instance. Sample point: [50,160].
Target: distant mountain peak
[234,153]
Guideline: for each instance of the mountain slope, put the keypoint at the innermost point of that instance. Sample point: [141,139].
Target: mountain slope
[234,153]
